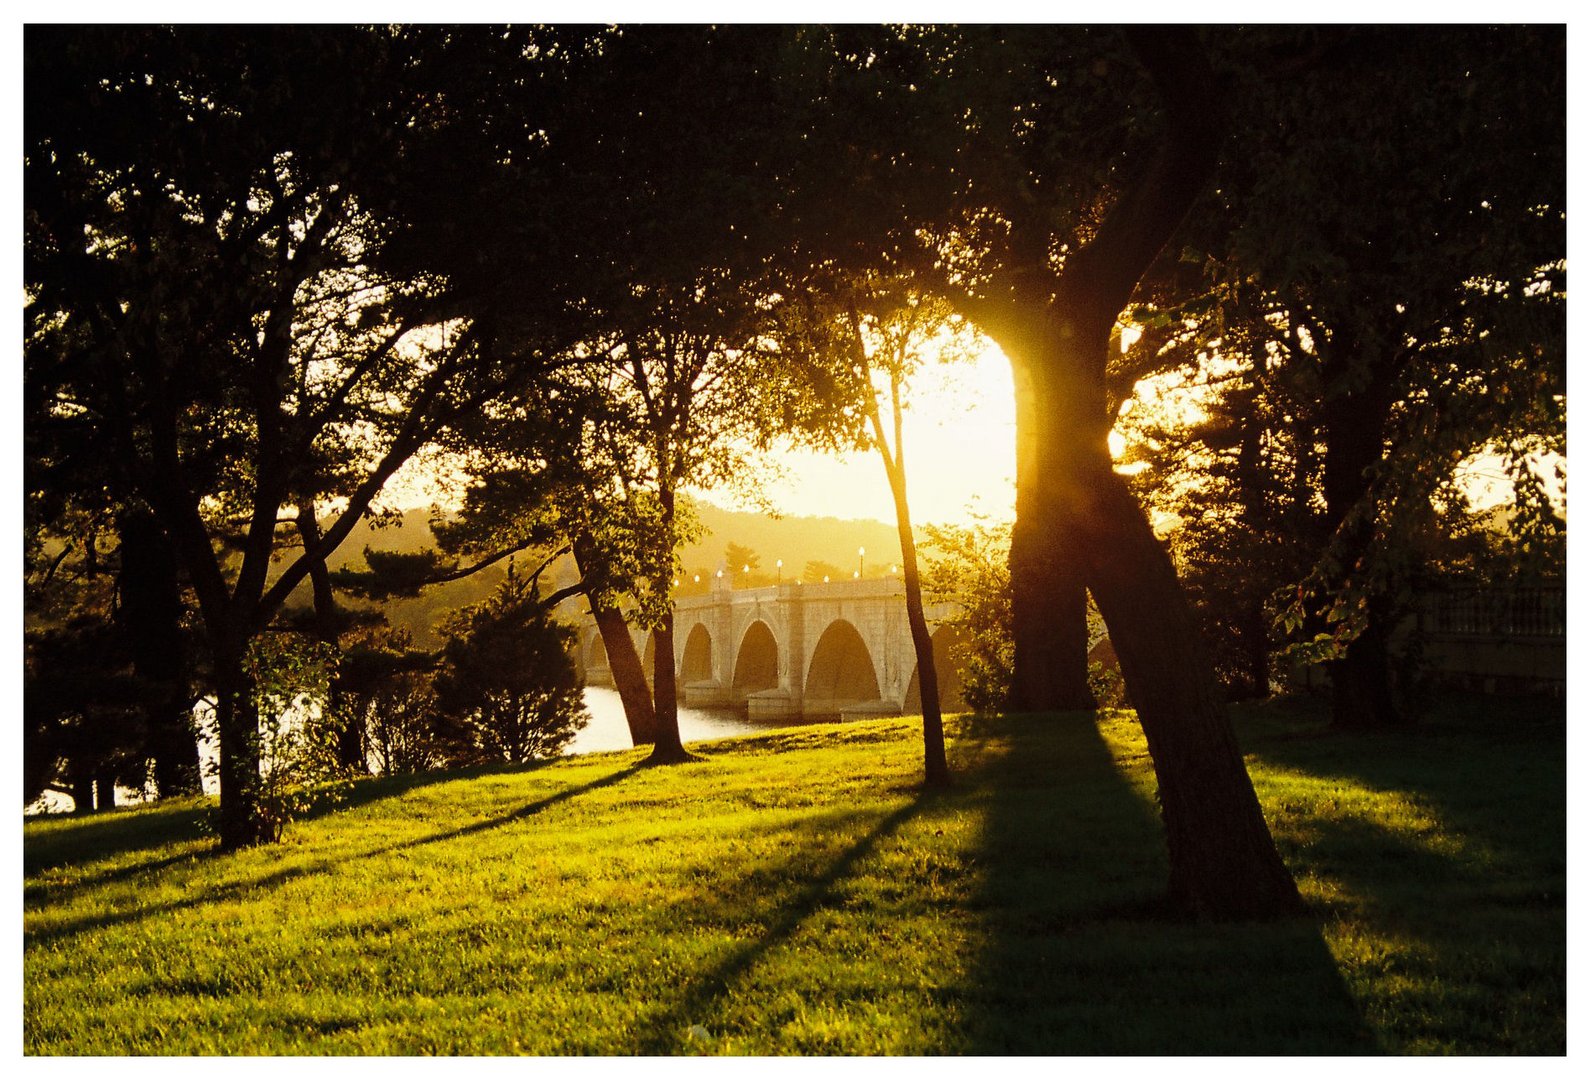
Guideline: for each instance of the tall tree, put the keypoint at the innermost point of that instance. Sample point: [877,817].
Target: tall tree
[1405,223]
[1383,301]
[870,338]
[1088,150]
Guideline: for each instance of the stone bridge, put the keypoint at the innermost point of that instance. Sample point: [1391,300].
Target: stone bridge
[795,651]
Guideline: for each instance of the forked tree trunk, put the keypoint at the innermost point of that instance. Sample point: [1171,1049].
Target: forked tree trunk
[1223,861]
[623,662]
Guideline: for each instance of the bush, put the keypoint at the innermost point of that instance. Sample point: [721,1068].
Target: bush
[508,690]
[972,571]
[297,739]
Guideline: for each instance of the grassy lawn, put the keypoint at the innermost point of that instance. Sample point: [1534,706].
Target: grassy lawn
[794,893]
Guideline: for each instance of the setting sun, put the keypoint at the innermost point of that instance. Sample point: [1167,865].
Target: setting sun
[960,452]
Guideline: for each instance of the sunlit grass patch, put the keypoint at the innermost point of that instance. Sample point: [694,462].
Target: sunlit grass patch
[798,893]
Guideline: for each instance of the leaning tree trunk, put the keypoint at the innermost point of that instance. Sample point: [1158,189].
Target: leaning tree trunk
[629,674]
[1223,861]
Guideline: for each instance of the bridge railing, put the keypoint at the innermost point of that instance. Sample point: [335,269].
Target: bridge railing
[1526,612]
[858,589]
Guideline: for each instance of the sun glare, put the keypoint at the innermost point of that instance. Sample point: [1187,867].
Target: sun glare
[960,453]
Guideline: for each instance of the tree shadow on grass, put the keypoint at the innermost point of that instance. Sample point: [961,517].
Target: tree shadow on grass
[234,889]
[79,841]
[99,837]
[1450,839]
[667,1030]
[1493,771]
[1079,955]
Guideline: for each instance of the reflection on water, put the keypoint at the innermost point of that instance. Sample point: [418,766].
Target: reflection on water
[609,731]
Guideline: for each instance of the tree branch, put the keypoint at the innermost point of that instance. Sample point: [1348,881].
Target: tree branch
[1101,277]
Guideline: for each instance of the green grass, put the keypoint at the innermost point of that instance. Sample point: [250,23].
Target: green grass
[795,893]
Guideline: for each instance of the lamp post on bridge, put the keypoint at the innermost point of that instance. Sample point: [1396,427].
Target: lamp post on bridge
[861,554]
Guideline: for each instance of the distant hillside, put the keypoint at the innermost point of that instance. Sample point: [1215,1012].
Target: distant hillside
[420,615]
[796,540]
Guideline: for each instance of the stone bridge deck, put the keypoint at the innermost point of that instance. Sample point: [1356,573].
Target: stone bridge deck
[796,651]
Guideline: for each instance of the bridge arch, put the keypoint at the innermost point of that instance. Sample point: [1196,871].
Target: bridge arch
[945,639]
[756,664]
[695,665]
[841,672]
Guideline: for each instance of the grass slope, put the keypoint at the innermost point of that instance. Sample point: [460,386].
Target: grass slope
[794,893]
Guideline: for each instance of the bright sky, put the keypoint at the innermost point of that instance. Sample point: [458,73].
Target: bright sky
[960,453]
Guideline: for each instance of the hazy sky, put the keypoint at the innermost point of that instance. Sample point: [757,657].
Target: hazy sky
[960,450]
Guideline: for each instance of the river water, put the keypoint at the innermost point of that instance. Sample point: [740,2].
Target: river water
[609,731]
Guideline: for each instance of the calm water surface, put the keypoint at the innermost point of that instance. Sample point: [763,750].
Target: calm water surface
[608,730]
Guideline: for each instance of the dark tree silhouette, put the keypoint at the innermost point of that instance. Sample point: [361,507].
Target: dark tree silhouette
[207,212]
